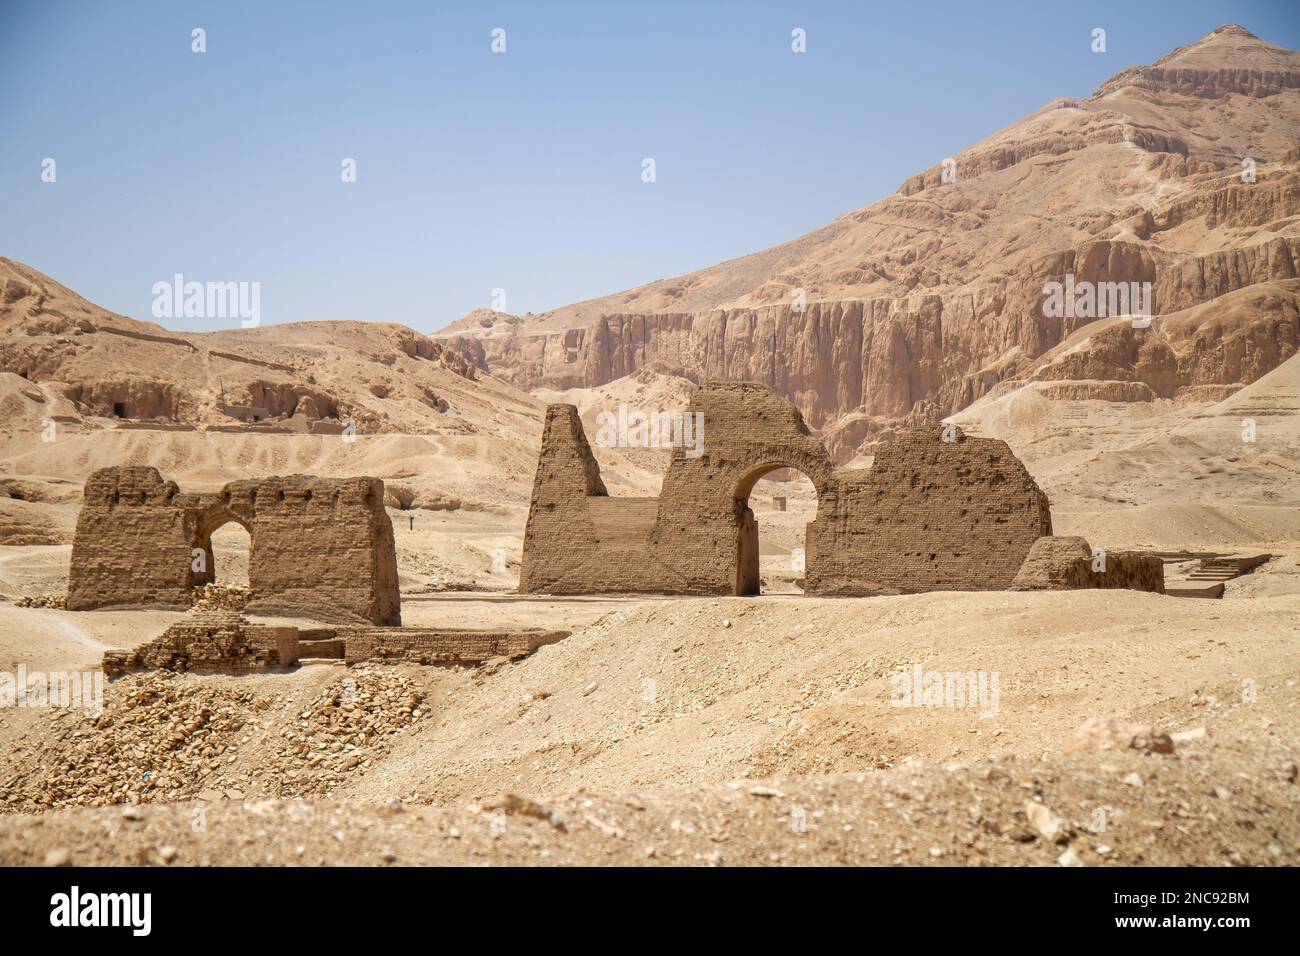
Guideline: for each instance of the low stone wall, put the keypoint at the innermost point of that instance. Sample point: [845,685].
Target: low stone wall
[443,646]
[216,641]
[225,642]
[1066,564]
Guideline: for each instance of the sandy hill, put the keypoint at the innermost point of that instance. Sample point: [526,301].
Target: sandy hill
[692,731]
[933,296]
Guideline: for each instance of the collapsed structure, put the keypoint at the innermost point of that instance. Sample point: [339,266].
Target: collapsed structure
[321,547]
[937,510]
[224,641]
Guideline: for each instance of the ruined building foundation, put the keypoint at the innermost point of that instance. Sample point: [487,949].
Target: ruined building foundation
[321,547]
[937,510]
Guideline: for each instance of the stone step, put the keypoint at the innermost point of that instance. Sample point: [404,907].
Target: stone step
[1191,591]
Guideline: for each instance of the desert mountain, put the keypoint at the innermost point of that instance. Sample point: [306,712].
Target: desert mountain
[1183,174]
[82,388]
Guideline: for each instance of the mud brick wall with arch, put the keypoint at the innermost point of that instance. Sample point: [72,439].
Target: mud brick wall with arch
[321,548]
[937,510]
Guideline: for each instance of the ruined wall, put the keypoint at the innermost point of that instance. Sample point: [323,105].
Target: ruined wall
[444,646]
[324,544]
[133,541]
[225,642]
[958,514]
[321,548]
[1066,564]
[704,528]
[929,515]
[212,642]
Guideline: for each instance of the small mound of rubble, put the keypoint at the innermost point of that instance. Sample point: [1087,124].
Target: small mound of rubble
[1110,733]
[165,736]
[57,602]
[219,597]
[158,738]
[338,732]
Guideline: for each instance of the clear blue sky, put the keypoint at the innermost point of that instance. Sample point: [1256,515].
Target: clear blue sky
[519,170]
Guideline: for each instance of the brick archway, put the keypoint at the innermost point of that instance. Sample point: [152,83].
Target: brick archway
[322,548]
[937,510]
[747,579]
[211,521]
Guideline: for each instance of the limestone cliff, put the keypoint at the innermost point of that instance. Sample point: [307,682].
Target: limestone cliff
[1183,174]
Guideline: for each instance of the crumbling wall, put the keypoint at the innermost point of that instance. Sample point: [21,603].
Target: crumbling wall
[705,536]
[937,510]
[225,642]
[133,542]
[443,646]
[321,548]
[580,540]
[1066,564]
[322,544]
[215,641]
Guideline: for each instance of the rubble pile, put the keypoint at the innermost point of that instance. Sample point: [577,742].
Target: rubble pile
[165,736]
[57,602]
[219,597]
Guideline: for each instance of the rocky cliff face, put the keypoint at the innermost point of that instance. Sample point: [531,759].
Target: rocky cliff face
[1183,174]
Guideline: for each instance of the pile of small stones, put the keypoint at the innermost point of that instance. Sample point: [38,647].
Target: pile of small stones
[340,732]
[159,738]
[164,736]
[57,602]
[219,597]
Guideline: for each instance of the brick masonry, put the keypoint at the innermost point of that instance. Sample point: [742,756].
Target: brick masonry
[214,641]
[443,645]
[321,547]
[937,510]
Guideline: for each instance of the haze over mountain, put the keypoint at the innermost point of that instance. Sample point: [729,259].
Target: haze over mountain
[1184,174]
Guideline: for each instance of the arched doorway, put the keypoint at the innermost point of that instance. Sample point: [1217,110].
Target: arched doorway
[227,546]
[774,505]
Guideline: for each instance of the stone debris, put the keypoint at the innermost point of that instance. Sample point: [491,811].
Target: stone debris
[1045,821]
[220,597]
[1109,733]
[165,736]
[343,729]
[512,804]
[56,602]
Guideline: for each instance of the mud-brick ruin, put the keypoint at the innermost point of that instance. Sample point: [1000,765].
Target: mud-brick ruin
[937,510]
[224,641]
[321,547]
